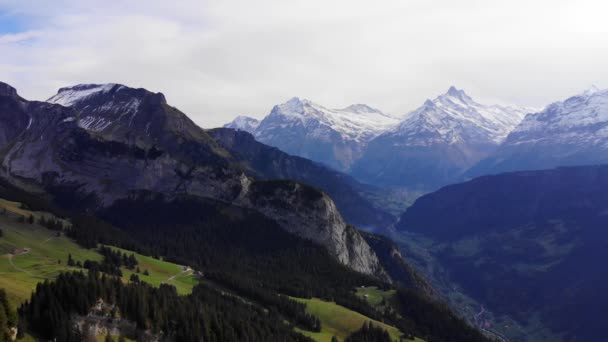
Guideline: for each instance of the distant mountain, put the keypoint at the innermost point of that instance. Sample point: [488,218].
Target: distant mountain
[243,123]
[436,143]
[526,244]
[571,132]
[334,137]
[267,162]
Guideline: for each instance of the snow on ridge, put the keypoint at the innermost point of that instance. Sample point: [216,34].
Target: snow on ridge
[243,123]
[356,122]
[71,95]
[455,117]
[587,109]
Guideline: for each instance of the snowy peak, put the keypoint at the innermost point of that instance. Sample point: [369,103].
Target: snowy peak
[357,122]
[109,92]
[361,109]
[455,117]
[586,113]
[566,133]
[243,123]
[457,93]
[335,137]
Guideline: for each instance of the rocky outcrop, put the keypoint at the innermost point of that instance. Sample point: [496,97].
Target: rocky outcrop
[104,319]
[311,214]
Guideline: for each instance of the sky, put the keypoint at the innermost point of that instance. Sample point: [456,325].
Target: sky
[218,59]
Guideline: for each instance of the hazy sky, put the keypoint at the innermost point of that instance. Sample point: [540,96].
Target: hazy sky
[217,59]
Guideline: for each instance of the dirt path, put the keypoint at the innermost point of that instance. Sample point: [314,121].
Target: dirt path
[25,251]
[171,278]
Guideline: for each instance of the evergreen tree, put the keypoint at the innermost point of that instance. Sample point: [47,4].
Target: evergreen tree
[70,261]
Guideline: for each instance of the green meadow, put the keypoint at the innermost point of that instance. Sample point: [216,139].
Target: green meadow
[161,272]
[339,321]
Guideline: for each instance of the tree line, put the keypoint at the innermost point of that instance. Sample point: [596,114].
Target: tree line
[204,315]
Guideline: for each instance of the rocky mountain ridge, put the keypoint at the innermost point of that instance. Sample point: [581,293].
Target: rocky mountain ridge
[58,149]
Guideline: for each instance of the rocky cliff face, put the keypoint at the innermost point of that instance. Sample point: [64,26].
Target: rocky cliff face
[311,214]
[93,165]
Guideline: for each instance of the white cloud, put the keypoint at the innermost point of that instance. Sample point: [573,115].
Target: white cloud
[217,59]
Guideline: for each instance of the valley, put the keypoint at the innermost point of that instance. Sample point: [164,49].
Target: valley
[303,171]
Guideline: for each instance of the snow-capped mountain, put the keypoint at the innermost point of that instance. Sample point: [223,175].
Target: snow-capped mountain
[129,115]
[455,117]
[335,137]
[243,123]
[435,143]
[571,132]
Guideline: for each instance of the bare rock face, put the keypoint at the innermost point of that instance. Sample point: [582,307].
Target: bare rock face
[311,214]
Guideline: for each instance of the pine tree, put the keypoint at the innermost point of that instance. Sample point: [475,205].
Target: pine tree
[70,261]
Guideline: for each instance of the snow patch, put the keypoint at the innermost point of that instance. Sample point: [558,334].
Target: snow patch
[69,96]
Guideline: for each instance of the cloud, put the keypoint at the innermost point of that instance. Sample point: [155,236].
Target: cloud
[217,59]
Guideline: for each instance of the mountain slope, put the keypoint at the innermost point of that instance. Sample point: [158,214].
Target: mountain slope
[525,244]
[335,137]
[160,150]
[435,143]
[571,132]
[267,162]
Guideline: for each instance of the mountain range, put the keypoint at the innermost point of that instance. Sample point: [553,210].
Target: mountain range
[335,137]
[424,149]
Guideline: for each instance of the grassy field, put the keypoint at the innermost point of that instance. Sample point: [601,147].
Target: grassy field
[161,272]
[339,321]
[44,256]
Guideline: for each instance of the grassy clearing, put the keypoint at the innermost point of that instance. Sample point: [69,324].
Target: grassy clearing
[339,321]
[375,296]
[161,272]
[46,257]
